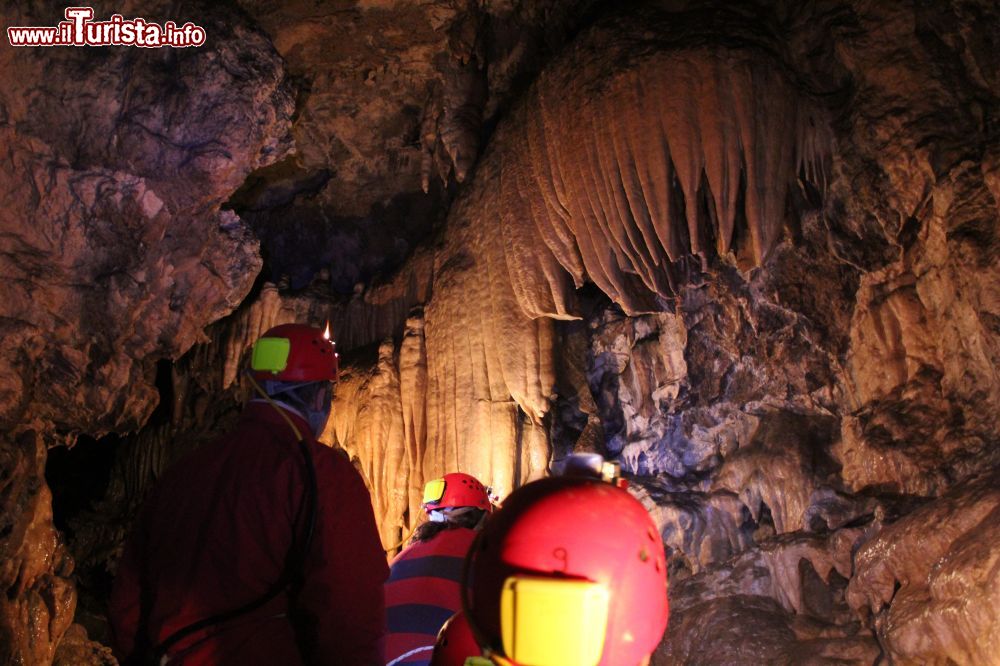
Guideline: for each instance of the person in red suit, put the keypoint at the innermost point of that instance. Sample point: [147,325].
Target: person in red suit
[423,587]
[455,643]
[571,570]
[260,548]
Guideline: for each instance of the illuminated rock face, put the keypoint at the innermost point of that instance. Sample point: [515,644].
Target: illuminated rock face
[932,579]
[533,223]
[779,419]
[113,174]
[754,263]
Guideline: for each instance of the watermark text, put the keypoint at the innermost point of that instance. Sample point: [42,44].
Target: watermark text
[79,29]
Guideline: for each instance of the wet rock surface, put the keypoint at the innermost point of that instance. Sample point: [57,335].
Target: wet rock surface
[38,601]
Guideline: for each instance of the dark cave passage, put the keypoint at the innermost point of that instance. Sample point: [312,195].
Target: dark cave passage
[78,477]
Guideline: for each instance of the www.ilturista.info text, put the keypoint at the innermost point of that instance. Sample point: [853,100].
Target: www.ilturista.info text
[79,29]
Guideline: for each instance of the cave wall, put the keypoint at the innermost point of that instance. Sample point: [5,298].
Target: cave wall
[115,252]
[779,418]
[115,170]
[521,235]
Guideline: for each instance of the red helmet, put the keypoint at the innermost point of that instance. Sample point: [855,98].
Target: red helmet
[455,643]
[570,570]
[294,353]
[456,490]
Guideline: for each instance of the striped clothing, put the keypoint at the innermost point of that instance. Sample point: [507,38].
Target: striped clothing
[421,593]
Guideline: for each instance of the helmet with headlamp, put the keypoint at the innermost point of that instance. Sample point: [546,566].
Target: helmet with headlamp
[290,356]
[294,353]
[456,490]
[570,571]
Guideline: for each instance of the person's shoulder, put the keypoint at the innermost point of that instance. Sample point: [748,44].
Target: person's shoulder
[333,461]
[459,534]
[453,541]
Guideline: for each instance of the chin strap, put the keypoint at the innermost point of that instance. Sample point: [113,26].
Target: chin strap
[263,394]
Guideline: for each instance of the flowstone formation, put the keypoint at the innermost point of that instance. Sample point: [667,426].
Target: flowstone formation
[747,251]
[778,420]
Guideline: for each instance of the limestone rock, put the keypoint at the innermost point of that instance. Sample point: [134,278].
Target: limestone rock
[748,251]
[38,598]
[777,603]
[932,579]
[367,422]
[76,648]
[114,171]
[743,629]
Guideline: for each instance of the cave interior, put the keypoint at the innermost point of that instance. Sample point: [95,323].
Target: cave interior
[748,249]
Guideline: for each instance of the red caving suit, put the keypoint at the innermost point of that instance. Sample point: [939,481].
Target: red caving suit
[216,533]
[423,591]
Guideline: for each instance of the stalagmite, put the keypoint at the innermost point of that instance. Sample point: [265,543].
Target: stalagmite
[367,420]
[413,394]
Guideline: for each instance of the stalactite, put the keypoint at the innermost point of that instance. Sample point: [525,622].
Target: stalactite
[612,171]
[463,99]
[599,175]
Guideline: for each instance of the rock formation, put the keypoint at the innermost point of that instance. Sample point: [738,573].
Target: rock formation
[114,172]
[115,252]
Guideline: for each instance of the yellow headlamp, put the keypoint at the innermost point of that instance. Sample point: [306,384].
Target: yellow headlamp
[551,621]
[434,491]
[270,355]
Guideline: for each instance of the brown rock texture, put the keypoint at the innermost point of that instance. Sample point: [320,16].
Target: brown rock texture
[394,100]
[38,598]
[932,579]
[114,250]
[113,175]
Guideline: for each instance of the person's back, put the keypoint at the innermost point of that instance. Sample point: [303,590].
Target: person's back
[226,526]
[423,587]
[422,592]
